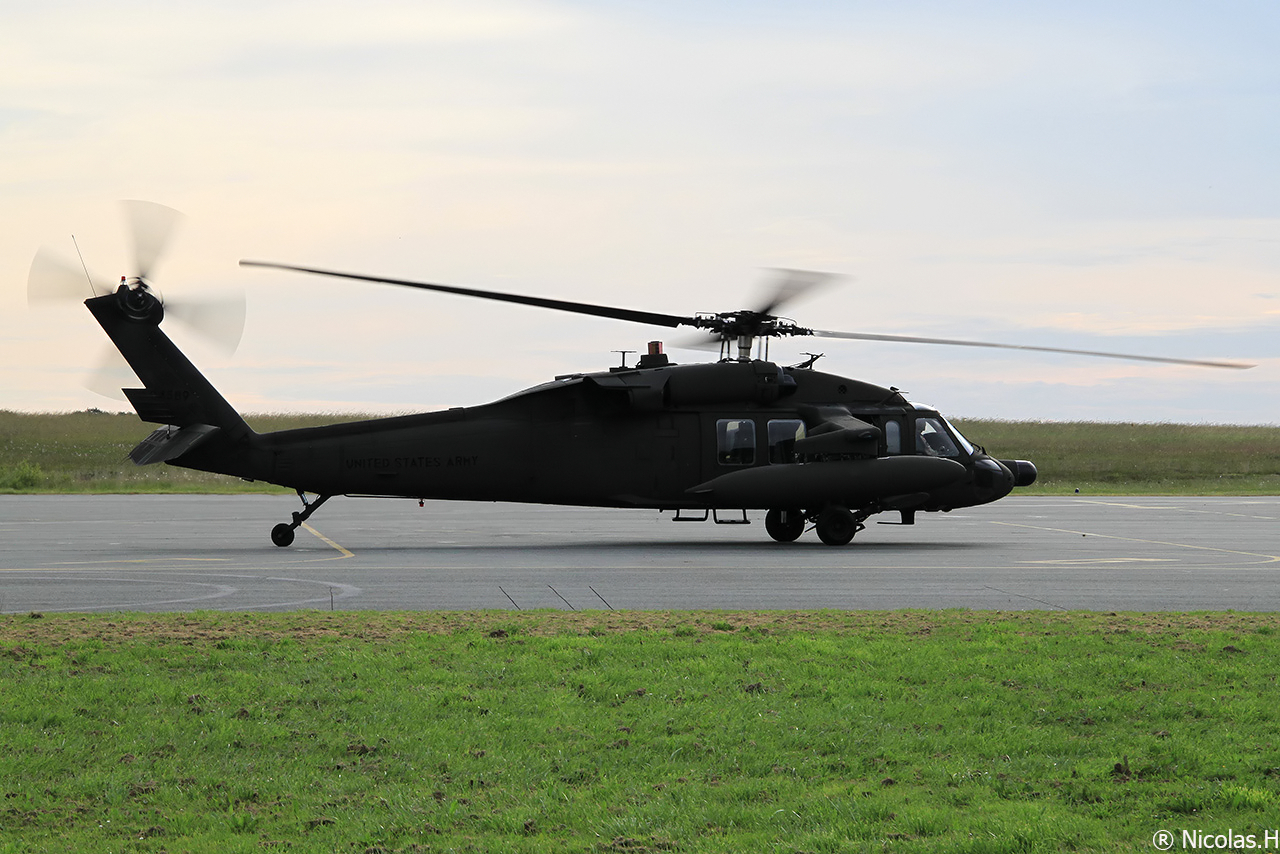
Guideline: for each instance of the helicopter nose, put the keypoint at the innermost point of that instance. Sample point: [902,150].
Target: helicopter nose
[1024,472]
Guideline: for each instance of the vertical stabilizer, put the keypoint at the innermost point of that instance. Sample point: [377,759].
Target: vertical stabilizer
[174,392]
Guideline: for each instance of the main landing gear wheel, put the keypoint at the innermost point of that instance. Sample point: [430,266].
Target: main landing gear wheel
[785,526]
[837,525]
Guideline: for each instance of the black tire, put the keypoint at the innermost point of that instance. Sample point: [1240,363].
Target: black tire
[282,535]
[785,526]
[836,526]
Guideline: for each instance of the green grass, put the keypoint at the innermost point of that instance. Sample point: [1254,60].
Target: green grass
[87,452]
[608,732]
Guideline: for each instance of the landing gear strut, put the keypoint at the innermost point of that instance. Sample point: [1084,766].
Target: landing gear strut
[282,534]
[785,526]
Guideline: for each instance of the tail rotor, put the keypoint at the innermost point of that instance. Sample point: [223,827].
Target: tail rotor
[218,320]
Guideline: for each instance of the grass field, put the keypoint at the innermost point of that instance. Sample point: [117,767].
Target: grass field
[608,732]
[87,452]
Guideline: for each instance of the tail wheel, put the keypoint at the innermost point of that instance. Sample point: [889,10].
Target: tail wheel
[785,526]
[837,525]
[282,535]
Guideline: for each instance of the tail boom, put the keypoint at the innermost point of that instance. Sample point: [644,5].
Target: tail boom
[201,429]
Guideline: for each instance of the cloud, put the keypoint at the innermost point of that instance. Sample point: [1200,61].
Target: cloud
[1078,174]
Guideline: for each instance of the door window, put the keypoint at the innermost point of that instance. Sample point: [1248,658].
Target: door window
[892,436]
[736,442]
[783,433]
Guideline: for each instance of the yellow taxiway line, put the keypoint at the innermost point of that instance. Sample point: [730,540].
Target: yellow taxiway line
[344,552]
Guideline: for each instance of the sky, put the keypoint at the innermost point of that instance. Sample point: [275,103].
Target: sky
[1089,175]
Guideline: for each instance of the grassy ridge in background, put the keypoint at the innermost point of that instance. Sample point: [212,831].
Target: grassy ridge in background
[1178,459]
[86,452]
[659,732]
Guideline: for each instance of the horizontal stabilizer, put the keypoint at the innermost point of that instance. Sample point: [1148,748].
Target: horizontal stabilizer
[167,406]
[169,443]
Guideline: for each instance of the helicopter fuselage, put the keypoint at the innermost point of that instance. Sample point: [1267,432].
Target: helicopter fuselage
[730,435]
[677,436]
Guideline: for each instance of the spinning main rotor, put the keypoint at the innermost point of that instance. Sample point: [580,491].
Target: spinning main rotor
[742,327]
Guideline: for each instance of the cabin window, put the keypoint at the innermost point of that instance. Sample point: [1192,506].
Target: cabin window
[892,436]
[736,442]
[783,433]
[932,439]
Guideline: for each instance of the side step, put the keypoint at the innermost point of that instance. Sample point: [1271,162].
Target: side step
[711,514]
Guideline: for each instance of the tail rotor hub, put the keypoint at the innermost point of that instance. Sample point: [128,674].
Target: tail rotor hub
[139,302]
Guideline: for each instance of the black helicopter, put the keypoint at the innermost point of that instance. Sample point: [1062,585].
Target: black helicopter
[709,440]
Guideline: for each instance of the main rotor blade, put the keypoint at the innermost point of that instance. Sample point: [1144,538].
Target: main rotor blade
[911,339]
[151,225]
[648,317]
[791,285]
[705,341]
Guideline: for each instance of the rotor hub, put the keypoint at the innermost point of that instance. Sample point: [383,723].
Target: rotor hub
[732,325]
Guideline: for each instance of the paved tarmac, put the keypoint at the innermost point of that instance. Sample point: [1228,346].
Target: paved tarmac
[182,553]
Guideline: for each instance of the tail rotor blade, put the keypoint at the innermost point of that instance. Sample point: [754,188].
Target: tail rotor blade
[219,320]
[111,374]
[151,225]
[52,279]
